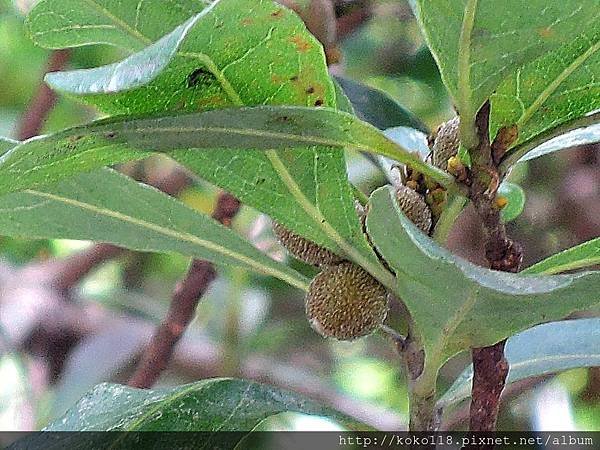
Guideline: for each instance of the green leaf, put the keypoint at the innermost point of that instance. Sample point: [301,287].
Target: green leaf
[212,405]
[545,349]
[580,136]
[378,108]
[317,196]
[266,127]
[515,196]
[108,207]
[477,43]
[457,305]
[552,90]
[208,59]
[135,71]
[130,25]
[580,256]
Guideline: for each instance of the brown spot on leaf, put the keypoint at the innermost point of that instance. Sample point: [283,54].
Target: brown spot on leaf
[506,136]
[198,77]
[247,21]
[319,102]
[277,14]
[545,32]
[294,78]
[301,44]
[310,90]
[110,135]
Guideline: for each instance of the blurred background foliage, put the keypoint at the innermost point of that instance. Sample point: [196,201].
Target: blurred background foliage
[55,346]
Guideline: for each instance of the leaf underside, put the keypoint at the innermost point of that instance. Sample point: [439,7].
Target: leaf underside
[457,305]
[105,206]
[542,350]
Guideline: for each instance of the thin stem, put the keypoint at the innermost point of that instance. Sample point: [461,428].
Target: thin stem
[444,224]
[183,305]
[232,352]
[40,106]
[422,408]
[421,383]
[359,195]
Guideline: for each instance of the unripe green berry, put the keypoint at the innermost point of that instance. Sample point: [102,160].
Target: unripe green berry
[345,302]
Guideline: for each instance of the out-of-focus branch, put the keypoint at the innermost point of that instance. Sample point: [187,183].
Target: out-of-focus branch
[44,100]
[183,305]
[65,273]
[349,23]
[461,415]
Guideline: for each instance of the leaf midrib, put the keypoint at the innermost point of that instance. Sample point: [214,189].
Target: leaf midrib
[182,236]
[464,52]
[464,74]
[555,84]
[451,325]
[277,163]
[121,23]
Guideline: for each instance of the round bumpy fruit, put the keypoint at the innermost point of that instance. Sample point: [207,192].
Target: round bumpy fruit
[345,302]
[303,249]
[414,206]
[446,143]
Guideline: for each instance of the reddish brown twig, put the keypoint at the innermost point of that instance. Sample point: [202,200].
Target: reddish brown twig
[490,368]
[183,305]
[40,106]
[66,273]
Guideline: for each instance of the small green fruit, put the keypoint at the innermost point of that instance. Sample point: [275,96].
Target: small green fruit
[303,249]
[413,205]
[446,143]
[345,302]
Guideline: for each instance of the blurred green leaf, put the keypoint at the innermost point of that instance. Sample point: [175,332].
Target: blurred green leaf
[378,108]
[477,43]
[108,207]
[582,255]
[343,102]
[213,405]
[515,196]
[548,348]
[456,304]
[557,88]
